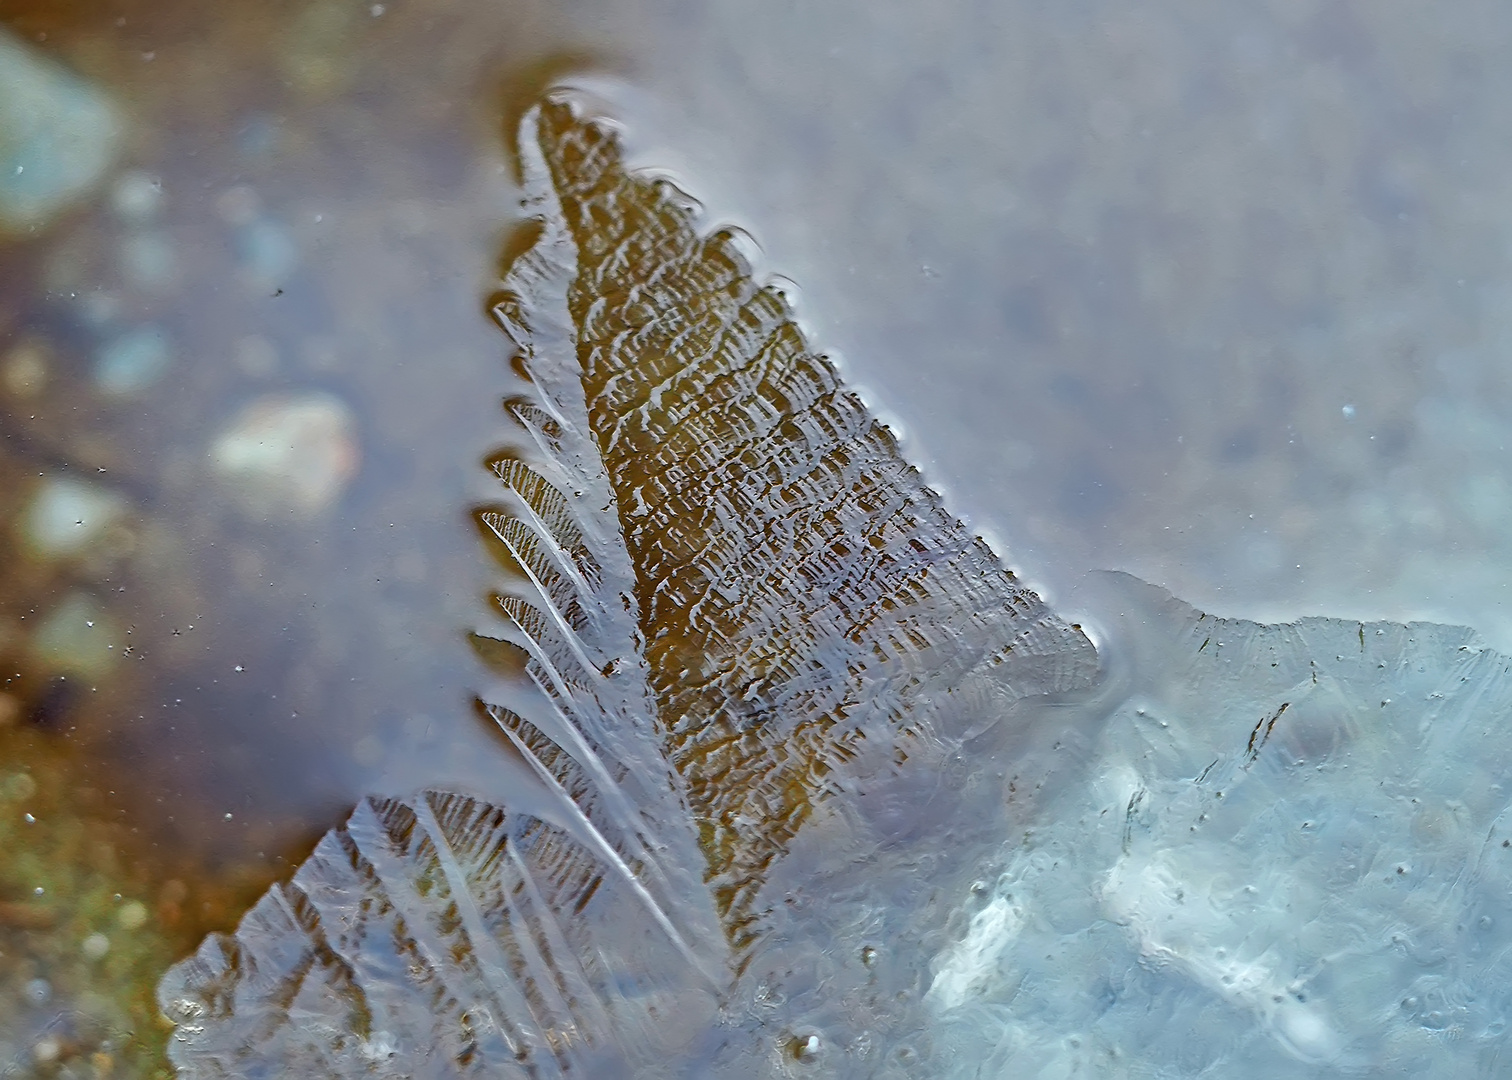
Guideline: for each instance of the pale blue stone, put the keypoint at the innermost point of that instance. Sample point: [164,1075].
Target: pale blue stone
[58,136]
[137,198]
[77,638]
[267,252]
[66,515]
[133,361]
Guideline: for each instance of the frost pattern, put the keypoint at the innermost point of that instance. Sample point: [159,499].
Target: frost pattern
[755,640]
[437,936]
[821,788]
[797,583]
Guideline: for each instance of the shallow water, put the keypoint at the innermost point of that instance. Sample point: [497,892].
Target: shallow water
[1213,293]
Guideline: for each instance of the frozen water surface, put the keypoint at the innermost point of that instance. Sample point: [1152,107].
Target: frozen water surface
[820,786]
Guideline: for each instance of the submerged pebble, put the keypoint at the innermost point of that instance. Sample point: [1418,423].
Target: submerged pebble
[266,252]
[132,916]
[133,361]
[58,135]
[95,946]
[77,638]
[24,372]
[66,515]
[136,197]
[288,454]
[47,1049]
[18,786]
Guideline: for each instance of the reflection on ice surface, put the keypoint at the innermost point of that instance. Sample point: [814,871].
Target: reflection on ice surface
[821,787]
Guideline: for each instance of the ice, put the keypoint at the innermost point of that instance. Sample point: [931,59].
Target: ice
[820,788]
[1293,840]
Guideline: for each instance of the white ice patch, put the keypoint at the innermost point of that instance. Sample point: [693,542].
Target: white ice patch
[1290,857]
[972,962]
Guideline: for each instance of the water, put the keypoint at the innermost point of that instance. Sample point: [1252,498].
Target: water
[1130,279]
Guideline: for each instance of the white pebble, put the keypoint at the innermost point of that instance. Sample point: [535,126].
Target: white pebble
[65,516]
[286,454]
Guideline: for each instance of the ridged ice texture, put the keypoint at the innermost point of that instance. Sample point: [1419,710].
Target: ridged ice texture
[437,936]
[798,585]
[1292,858]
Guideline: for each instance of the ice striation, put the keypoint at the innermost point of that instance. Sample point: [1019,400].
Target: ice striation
[822,789]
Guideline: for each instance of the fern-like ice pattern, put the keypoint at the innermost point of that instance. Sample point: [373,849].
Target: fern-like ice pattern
[819,786]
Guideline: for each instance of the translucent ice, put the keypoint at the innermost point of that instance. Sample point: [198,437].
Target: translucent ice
[822,787]
[1290,857]
[761,649]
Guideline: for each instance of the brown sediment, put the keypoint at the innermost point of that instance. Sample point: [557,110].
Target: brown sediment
[94,908]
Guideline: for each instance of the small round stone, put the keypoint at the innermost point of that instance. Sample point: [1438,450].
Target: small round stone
[806,1047]
[18,787]
[132,916]
[66,515]
[95,946]
[288,454]
[77,638]
[137,197]
[58,136]
[25,370]
[267,252]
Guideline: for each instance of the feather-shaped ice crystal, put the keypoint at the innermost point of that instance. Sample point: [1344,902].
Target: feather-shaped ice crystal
[822,787]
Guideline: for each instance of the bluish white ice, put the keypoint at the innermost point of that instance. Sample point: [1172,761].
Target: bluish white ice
[1290,856]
